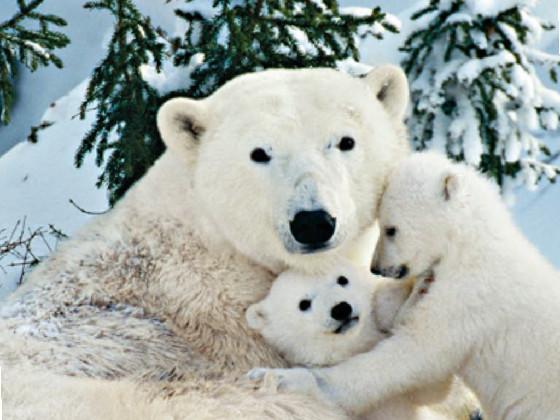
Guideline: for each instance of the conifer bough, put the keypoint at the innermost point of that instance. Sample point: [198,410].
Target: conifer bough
[20,43]
[125,104]
[241,36]
[476,94]
[251,35]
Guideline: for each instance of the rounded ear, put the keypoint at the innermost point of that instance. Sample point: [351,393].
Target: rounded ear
[390,86]
[181,123]
[450,185]
[256,316]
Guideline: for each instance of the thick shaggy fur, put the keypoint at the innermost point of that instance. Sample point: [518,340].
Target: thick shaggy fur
[150,298]
[311,337]
[491,316]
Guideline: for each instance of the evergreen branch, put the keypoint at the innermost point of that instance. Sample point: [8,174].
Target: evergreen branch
[32,48]
[125,104]
[242,36]
[465,60]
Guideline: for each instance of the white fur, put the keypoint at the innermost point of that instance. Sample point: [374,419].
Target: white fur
[309,338]
[154,293]
[492,316]
[298,118]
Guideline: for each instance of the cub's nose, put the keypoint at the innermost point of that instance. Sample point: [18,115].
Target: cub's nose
[376,270]
[341,311]
[313,228]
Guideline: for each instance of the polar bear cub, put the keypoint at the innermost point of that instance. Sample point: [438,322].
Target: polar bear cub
[320,321]
[492,316]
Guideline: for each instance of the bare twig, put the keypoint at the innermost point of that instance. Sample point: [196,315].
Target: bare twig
[95,213]
[21,246]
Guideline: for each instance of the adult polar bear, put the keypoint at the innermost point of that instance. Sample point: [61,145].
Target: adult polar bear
[279,169]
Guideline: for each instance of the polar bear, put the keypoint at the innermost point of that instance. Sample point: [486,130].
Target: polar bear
[278,169]
[321,321]
[492,315]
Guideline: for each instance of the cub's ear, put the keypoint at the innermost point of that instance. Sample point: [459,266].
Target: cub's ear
[389,84]
[388,300]
[181,123]
[450,185]
[256,316]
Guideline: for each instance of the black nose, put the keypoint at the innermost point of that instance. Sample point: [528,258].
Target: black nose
[341,311]
[403,271]
[313,227]
[376,270]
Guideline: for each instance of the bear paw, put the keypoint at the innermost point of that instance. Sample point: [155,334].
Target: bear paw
[299,380]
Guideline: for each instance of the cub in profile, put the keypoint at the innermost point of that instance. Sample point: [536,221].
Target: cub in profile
[492,315]
[317,322]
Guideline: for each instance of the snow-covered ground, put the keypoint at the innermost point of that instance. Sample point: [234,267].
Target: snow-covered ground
[38,180]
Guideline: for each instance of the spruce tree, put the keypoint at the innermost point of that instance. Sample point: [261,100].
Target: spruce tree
[250,35]
[125,104]
[33,47]
[242,36]
[475,90]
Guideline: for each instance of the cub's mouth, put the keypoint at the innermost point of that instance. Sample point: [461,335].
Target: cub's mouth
[347,325]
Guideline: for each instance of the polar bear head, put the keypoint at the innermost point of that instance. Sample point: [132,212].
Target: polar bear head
[431,207]
[287,166]
[320,321]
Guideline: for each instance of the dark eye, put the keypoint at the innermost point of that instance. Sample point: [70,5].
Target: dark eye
[391,231]
[260,156]
[304,305]
[346,143]
[343,281]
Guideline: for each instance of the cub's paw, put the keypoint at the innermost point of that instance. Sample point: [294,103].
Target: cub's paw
[298,380]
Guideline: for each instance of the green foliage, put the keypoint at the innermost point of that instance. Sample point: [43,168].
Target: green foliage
[32,47]
[125,104]
[476,93]
[245,36]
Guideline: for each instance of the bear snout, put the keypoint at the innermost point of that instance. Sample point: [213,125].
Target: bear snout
[313,228]
[398,272]
[341,311]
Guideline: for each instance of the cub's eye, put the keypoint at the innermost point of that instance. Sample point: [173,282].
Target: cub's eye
[391,231]
[304,305]
[342,281]
[260,156]
[346,144]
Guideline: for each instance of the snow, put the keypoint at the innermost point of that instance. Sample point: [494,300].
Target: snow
[472,68]
[549,120]
[320,5]
[543,58]
[37,180]
[493,7]
[172,78]
[472,143]
[353,67]
[356,11]
[393,21]
[223,36]
[39,50]
[459,18]
[300,38]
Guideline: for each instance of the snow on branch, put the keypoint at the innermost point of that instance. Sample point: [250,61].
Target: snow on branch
[33,48]
[476,91]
